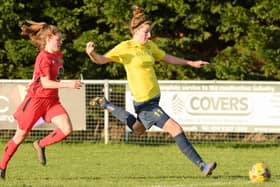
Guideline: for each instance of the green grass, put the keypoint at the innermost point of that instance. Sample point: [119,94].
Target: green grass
[122,165]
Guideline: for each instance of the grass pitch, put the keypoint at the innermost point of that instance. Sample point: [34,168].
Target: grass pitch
[126,165]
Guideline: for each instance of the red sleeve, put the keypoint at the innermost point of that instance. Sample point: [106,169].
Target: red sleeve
[43,65]
[44,68]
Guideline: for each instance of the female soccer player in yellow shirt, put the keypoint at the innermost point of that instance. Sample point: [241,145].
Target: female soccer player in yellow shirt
[138,56]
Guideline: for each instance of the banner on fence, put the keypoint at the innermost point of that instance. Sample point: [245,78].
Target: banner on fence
[221,106]
[11,94]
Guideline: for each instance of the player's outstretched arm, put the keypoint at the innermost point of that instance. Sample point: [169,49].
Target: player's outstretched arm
[176,60]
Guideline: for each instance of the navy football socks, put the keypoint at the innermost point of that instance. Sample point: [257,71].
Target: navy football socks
[187,149]
[121,114]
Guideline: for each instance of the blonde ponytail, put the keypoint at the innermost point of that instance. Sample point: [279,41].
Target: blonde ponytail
[38,32]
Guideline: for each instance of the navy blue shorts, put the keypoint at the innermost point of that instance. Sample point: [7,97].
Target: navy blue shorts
[150,113]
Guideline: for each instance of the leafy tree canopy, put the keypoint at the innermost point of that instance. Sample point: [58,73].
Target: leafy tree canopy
[240,39]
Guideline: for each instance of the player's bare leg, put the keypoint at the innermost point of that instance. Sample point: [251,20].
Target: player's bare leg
[138,128]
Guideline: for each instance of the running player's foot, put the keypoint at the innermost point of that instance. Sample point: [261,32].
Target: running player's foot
[2,174]
[208,168]
[99,101]
[40,152]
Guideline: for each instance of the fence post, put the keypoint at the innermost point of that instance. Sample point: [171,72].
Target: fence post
[106,113]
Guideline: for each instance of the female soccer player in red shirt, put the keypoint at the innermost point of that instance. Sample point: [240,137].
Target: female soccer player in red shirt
[42,99]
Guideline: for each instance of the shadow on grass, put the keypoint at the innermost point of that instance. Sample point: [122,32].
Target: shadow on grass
[137,177]
[168,177]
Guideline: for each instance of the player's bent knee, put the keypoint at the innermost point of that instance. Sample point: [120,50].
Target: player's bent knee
[67,131]
[172,127]
[139,132]
[138,128]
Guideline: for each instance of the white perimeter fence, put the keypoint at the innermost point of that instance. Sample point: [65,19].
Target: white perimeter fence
[209,111]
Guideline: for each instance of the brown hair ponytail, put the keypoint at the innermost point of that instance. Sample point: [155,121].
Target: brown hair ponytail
[139,18]
[38,32]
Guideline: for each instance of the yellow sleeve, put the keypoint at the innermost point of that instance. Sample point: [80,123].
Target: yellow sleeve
[115,53]
[158,53]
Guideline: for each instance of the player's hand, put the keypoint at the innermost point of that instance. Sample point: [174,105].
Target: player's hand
[90,47]
[199,63]
[76,84]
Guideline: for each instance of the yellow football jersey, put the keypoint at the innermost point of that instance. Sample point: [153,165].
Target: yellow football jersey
[138,61]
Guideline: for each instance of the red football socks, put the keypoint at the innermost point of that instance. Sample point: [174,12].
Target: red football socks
[9,151]
[55,136]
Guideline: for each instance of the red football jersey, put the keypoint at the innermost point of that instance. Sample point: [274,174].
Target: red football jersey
[47,64]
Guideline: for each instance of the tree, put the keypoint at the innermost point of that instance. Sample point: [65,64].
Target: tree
[239,38]
[254,31]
